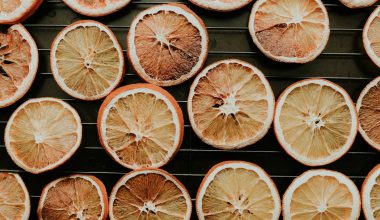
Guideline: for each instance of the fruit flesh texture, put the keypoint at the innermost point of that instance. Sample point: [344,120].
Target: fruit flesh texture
[12,198]
[375,199]
[95,4]
[374,35]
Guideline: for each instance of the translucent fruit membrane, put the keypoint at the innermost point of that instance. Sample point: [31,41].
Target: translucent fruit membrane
[375,198]
[374,35]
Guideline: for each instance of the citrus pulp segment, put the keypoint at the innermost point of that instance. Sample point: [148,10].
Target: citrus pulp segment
[371,36]
[96,8]
[16,11]
[370,194]
[358,3]
[221,5]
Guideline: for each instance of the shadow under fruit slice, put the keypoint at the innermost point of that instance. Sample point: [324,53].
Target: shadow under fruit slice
[370,194]
[149,194]
[321,194]
[87,60]
[167,44]
[291,31]
[371,36]
[237,190]
[18,64]
[358,3]
[221,5]
[42,134]
[16,11]
[96,8]
[74,197]
[140,125]
[14,197]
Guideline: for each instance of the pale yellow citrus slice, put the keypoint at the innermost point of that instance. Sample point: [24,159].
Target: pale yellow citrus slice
[87,60]
[358,3]
[42,134]
[167,44]
[315,121]
[96,8]
[81,197]
[370,194]
[16,11]
[231,104]
[141,125]
[236,190]
[149,194]
[14,198]
[323,195]
[371,36]
[291,31]
[221,5]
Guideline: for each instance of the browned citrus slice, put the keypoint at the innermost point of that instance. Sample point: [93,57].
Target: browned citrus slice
[18,63]
[149,194]
[86,60]
[14,198]
[96,8]
[370,194]
[81,197]
[358,3]
[323,195]
[231,104]
[221,5]
[42,134]
[315,121]
[141,125]
[371,36]
[15,11]
[368,107]
[291,31]
[167,44]
[237,190]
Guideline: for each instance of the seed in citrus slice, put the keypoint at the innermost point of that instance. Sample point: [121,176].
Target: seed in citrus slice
[237,190]
[167,44]
[231,104]
[96,8]
[315,121]
[149,194]
[321,194]
[371,194]
[371,36]
[42,134]
[141,125]
[16,11]
[18,63]
[358,3]
[221,5]
[14,197]
[87,60]
[368,107]
[291,31]
[74,197]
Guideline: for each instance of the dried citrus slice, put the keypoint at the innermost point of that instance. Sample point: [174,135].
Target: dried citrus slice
[87,60]
[368,107]
[315,121]
[14,197]
[74,197]
[167,44]
[231,104]
[371,36]
[96,8]
[371,194]
[140,125]
[237,190]
[15,11]
[358,3]
[221,5]
[149,194]
[291,31]
[321,194]
[18,63]
[42,134]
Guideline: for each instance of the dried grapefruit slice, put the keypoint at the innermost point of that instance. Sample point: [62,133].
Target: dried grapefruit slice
[140,125]
[42,134]
[96,8]
[14,197]
[371,194]
[358,3]
[149,194]
[368,107]
[236,190]
[167,44]
[321,194]
[291,31]
[87,60]
[16,11]
[315,121]
[231,104]
[74,197]
[221,5]
[18,63]
[371,36]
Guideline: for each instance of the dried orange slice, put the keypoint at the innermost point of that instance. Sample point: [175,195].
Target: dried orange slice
[149,194]
[16,11]
[321,194]
[358,3]
[237,190]
[74,197]
[14,197]
[140,125]
[370,194]
[42,134]
[221,5]
[231,104]
[291,31]
[315,121]
[18,62]
[371,36]
[87,60]
[96,8]
[167,44]
[368,107]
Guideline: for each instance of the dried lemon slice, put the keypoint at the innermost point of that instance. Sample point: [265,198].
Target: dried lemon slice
[358,3]
[371,36]
[221,5]
[16,11]
[371,194]
[96,8]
